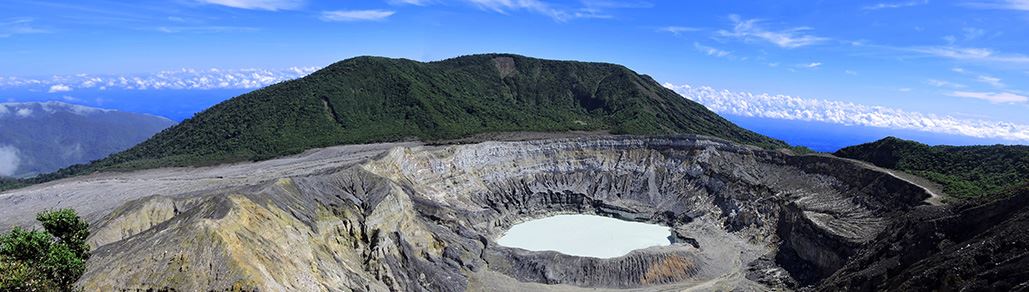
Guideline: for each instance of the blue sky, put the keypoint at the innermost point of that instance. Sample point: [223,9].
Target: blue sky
[956,67]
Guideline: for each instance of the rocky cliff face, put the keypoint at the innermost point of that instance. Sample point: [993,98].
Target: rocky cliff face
[425,218]
[965,247]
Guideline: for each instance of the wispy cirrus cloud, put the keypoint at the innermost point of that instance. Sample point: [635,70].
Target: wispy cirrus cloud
[503,6]
[812,65]
[972,33]
[1021,5]
[942,83]
[677,30]
[269,5]
[753,30]
[891,5]
[994,97]
[587,9]
[356,15]
[410,2]
[711,51]
[205,29]
[846,113]
[992,81]
[971,54]
[19,25]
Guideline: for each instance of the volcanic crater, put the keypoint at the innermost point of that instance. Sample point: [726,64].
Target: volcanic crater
[427,217]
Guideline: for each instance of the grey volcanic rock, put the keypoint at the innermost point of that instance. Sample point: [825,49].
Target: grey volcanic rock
[42,137]
[965,247]
[425,218]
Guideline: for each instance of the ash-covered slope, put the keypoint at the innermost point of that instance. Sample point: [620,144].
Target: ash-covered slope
[41,137]
[375,99]
[425,218]
[966,247]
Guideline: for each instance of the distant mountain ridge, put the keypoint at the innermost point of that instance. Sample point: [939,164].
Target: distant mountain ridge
[41,137]
[375,99]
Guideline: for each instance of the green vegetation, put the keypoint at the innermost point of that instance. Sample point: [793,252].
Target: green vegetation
[374,99]
[965,172]
[45,260]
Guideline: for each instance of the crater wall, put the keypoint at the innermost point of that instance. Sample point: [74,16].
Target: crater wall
[425,218]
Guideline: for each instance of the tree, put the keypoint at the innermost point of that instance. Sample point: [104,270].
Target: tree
[45,260]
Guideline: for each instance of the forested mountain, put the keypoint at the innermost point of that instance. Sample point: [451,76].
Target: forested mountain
[963,171]
[374,99]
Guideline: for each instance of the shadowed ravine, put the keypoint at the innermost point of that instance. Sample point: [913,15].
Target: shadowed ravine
[417,217]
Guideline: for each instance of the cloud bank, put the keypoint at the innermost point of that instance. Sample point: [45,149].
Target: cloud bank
[213,78]
[9,160]
[27,109]
[845,113]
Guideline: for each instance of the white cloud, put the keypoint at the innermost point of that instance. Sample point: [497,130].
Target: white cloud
[950,39]
[972,54]
[676,30]
[409,2]
[850,72]
[9,160]
[503,6]
[205,29]
[884,5]
[994,97]
[905,89]
[812,65]
[23,112]
[992,81]
[356,15]
[589,9]
[18,25]
[186,78]
[972,33]
[846,113]
[710,51]
[270,5]
[1022,5]
[941,83]
[26,109]
[751,29]
[59,88]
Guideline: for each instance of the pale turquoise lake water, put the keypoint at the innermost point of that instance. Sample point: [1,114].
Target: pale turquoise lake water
[585,235]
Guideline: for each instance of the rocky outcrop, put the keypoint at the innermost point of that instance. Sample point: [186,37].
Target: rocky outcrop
[967,247]
[425,218]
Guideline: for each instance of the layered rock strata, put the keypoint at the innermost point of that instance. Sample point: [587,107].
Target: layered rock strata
[425,218]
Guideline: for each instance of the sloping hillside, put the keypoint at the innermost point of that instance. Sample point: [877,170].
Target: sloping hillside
[963,171]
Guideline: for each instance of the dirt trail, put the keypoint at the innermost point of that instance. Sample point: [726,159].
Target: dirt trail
[935,191]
